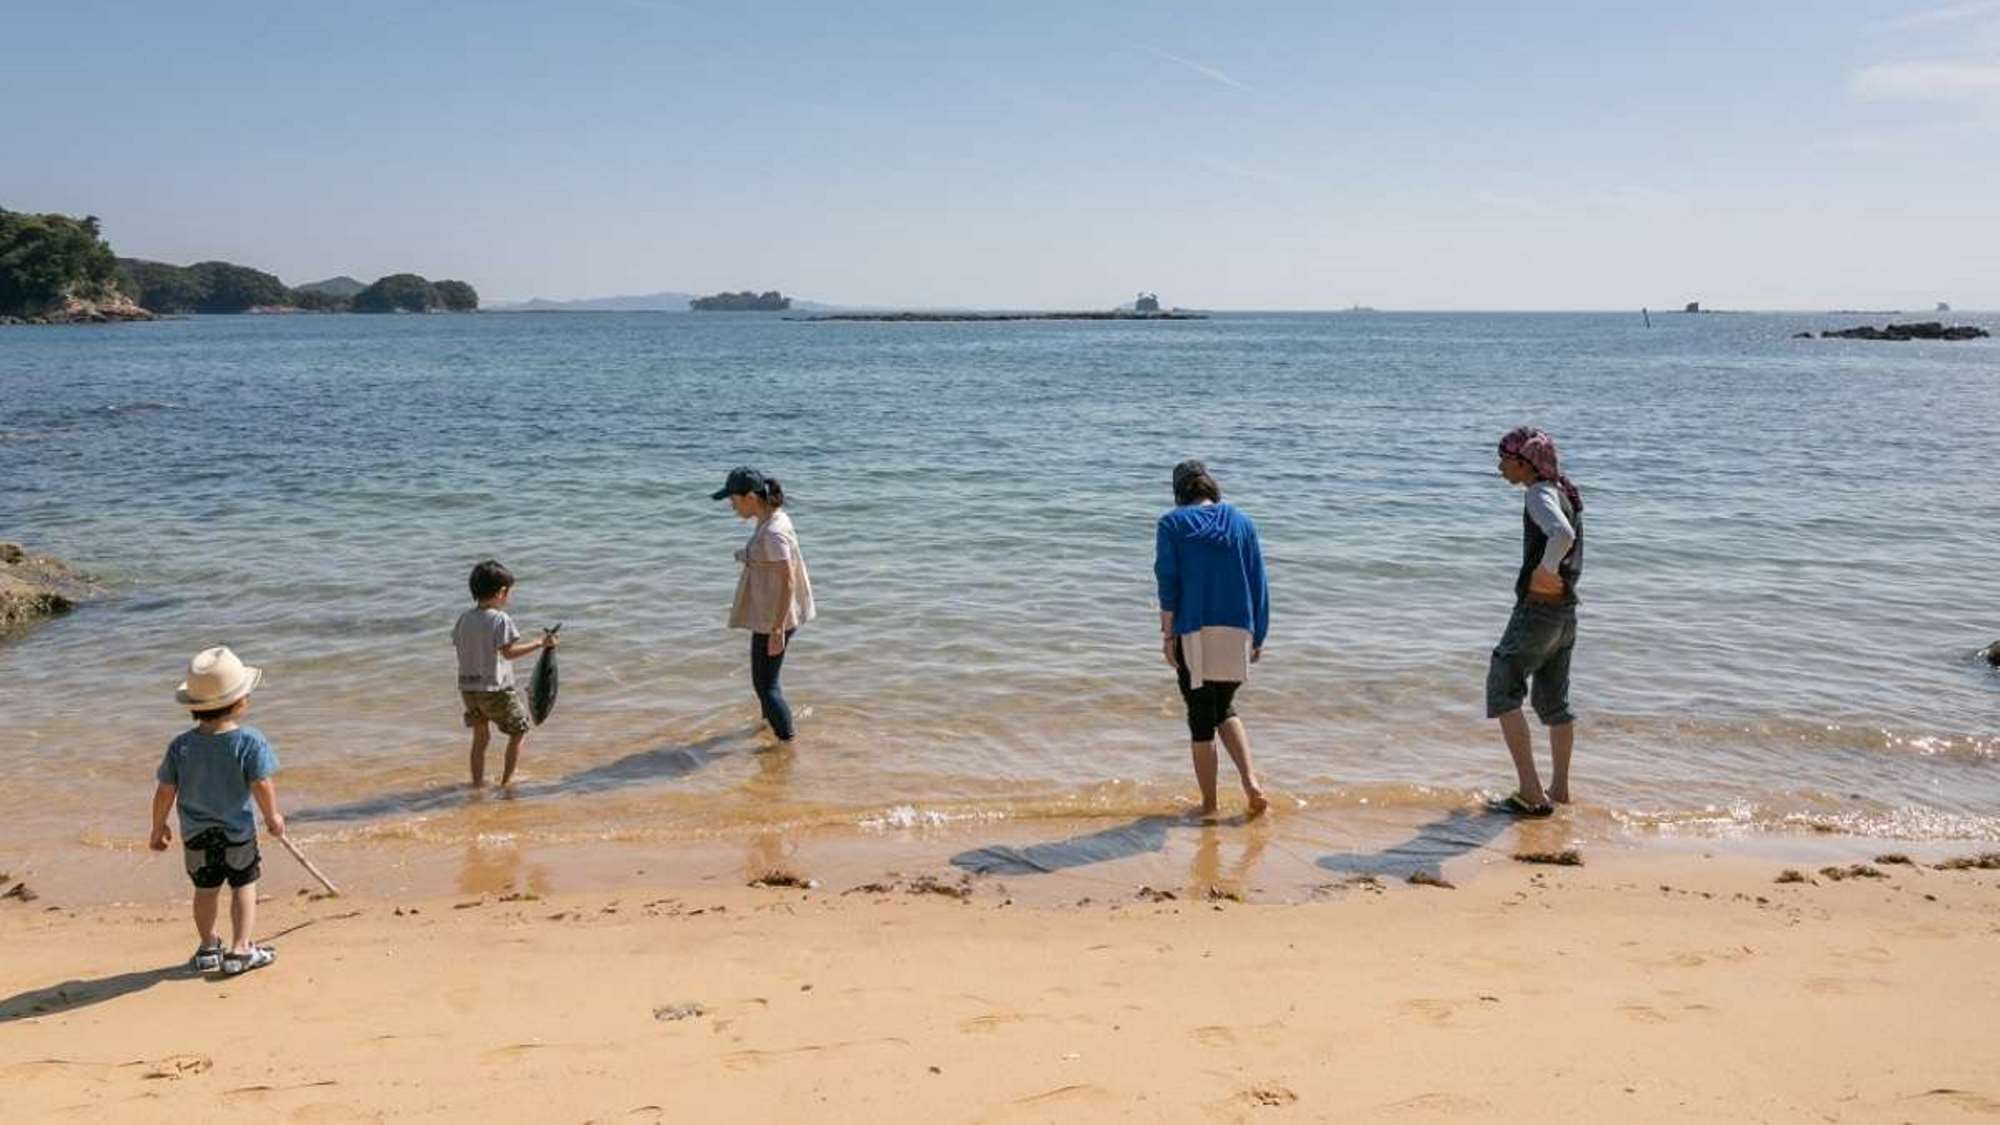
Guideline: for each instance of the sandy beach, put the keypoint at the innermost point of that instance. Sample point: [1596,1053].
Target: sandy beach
[1649,985]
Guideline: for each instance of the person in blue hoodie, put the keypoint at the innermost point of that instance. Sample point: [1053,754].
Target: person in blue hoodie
[1215,608]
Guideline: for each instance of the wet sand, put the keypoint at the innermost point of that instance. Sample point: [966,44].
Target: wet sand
[1655,984]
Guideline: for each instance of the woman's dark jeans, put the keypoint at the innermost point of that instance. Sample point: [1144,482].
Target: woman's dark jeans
[764,669]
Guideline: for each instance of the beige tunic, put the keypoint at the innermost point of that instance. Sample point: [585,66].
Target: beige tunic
[1216,652]
[773,549]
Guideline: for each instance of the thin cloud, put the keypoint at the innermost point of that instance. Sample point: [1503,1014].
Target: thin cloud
[1260,175]
[1929,81]
[1949,13]
[1203,69]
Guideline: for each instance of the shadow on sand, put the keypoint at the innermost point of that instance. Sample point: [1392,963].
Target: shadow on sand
[662,763]
[1146,834]
[1448,837]
[72,994]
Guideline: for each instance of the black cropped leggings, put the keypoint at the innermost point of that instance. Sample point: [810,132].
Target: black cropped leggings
[1208,706]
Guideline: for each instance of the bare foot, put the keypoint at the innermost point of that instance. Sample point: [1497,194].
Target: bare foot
[1559,794]
[1202,812]
[1258,804]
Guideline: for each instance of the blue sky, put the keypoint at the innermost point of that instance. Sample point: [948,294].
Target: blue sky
[1277,155]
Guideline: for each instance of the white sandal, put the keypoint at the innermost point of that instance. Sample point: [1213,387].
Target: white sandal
[234,964]
[207,958]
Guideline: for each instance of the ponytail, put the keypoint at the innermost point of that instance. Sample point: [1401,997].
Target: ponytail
[774,493]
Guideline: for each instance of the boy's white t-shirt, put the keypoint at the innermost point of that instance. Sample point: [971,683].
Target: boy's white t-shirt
[478,636]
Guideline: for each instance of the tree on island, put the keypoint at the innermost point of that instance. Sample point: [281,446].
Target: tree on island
[746,301]
[159,287]
[456,296]
[398,292]
[230,288]
[205,287]
[45,259]
[317,300]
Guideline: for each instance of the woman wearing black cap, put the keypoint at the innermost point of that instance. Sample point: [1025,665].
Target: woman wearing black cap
[773,593]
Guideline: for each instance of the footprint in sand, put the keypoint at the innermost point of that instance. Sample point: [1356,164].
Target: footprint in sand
[176,1067]
[993,1021]
[1437,1103]
[1060,1093]
[332,1111]
[1643,1013]
[1270,1094]
[744,1060]
[1439,1013]
[1215,1035]
[1843,986]
[1966,1100]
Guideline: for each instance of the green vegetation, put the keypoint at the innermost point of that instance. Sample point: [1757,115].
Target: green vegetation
[745,301]
[317,300]
[399,292]
[205,287]
[342,287]
[456,296]
[46,258]
[159,287]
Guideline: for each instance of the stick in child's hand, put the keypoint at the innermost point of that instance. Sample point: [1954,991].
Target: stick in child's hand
[301,857]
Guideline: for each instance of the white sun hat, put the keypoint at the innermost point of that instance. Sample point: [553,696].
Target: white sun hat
[216,679]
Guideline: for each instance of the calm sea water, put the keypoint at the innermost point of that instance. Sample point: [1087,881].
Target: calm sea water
[1792,546]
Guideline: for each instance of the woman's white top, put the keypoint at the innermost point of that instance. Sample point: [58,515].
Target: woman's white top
[773,550]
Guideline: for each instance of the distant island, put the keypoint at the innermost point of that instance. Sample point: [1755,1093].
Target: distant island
[956,317]
[1146,306]
[223,287]
[56,269]
[746,301]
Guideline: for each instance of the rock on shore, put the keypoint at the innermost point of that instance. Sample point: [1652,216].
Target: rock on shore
[34,586]
[82,310]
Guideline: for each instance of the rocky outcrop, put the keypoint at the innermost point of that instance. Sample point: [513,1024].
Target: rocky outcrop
[34,586]
[86,310]
[1926,330]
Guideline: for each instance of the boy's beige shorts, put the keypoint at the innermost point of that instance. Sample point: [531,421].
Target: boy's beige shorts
[502,708]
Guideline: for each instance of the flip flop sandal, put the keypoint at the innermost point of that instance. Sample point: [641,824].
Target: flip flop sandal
[207,958]
[1514,805]
[234,964]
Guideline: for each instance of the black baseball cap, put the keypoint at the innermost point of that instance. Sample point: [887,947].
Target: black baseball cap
[742,479]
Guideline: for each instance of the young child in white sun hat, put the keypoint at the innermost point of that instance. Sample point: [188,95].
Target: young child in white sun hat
[213,772]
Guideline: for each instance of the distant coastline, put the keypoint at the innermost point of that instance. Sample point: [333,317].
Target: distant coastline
[956,317]
[58,269]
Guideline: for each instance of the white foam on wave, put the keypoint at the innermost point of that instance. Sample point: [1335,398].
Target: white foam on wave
[909,816]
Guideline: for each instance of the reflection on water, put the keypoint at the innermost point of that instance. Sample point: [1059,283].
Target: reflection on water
[1207,870]
[500,866]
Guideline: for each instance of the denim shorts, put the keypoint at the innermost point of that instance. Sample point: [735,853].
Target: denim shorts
[1536,646]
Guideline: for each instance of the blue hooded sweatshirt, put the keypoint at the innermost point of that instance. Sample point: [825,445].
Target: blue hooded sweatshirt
[1211,571]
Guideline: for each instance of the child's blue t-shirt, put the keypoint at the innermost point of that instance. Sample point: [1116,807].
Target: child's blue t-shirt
[213,773]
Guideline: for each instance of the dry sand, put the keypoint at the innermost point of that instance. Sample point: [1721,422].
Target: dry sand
[1643,987]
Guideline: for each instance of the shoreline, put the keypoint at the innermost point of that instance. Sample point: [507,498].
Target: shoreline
[1287,857]
[1638,987]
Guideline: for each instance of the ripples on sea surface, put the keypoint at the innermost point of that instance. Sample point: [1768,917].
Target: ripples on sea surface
[1791,552]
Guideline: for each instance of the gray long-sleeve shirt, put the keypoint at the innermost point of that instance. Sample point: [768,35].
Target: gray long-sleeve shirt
[1545,508]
